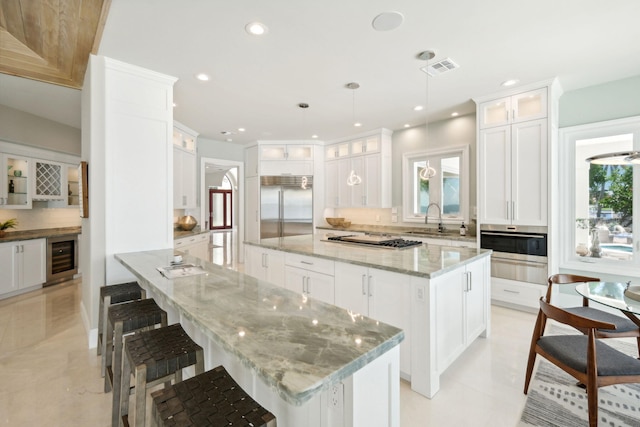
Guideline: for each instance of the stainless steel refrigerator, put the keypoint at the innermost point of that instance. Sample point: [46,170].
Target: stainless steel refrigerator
[286,206]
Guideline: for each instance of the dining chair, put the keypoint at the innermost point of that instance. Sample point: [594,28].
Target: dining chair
[584,357]
[624,327]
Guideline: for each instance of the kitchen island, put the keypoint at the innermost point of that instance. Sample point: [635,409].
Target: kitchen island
[439,295]
[307,362]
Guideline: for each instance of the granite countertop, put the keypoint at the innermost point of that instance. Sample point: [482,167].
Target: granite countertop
[13,236]
[179,234]
[427,260]
[407,232]
[296,345]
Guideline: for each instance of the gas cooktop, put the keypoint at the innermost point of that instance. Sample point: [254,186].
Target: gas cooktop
[380,241]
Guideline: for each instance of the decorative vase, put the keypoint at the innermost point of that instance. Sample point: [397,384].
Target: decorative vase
[595,244]
[582,249]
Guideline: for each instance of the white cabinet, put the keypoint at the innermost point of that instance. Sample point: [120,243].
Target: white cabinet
[286,159]
[15,182]
[184,167]
[184,179]
[22,264]
[517,108]
[513,174]
[252,208]
[378,294]
[197,246]
[461,310]
[251,161]
[369,157]
[286,152]
[50,181]
[265,264]
[310,276]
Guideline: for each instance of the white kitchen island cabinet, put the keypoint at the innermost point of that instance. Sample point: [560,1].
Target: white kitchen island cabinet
[303,360]
[439,295]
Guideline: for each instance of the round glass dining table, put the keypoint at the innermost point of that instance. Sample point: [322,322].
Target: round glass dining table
[623,296]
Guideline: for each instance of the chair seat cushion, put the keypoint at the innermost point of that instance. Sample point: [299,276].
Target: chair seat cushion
[572,351]
[622,323]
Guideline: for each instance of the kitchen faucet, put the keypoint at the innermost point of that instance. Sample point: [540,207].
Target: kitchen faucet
[426,216]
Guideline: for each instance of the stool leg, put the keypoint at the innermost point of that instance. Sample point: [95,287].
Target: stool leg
[116,369]
[199,362]
[141,395]
[107,351]
[101,324]
[121,399]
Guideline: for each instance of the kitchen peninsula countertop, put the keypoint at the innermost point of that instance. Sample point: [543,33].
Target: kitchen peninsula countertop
[407,232]
[179,234]
[43,233]
[427,260]
[298,347]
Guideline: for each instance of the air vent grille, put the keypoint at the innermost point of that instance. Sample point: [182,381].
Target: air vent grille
[440,67]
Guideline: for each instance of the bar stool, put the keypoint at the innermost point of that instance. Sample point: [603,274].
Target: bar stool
[209,399]
[123,319]
[115,294]
[153,357]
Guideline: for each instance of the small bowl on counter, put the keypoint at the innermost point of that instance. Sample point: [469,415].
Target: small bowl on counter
[336,222]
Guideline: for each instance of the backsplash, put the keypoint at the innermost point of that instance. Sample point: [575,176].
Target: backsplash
[38,218]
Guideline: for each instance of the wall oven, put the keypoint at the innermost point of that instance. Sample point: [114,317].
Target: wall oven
[519,252]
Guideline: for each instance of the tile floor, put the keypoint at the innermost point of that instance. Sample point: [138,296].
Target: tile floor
[51,378]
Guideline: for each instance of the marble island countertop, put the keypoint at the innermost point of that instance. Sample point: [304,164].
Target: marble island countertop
[42,233]
[427,260]
[297,346]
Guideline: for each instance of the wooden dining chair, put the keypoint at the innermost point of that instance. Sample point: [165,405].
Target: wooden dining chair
[584,357]
[624,327]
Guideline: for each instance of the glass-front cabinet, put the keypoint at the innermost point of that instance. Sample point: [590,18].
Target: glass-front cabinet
[517,108]
[49,181]
[15,184]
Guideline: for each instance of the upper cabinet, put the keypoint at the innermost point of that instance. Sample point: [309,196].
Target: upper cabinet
[530,105]
[369,158]
[184,167]
[514,133]
[50,181]
[15,184]
[286,152]
[274,158]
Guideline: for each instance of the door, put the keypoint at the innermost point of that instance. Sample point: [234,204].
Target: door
[220,209]
[297,211]
[270,214]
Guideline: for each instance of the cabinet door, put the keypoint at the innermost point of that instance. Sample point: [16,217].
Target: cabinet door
[274,266]
[331,195]
[49,180]
[273,152]
[299,152]
[253,261]
[320,286]
[17,190]
[372,181]
[252,208]
[351,290]
[295,279]
[358,191]
[251,159]
[450,324]
[33,265]
[529,173]
[495,175]
[476,299]
[495,113]
[344,190]
[8,267]
[529,105]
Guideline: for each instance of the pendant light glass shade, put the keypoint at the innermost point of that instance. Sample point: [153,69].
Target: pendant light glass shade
[428,171]
[619,158]
[354,179]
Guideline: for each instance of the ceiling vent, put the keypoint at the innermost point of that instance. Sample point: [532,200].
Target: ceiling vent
[440,67]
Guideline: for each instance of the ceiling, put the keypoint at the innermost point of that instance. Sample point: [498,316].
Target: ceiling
[314,48]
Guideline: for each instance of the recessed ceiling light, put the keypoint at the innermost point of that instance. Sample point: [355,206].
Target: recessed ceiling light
[229,140]
[174,104]
[241,129]
[510,82]
[387,21]
[314,136]
[357,124]
[407,125]
[202,77]
[418,108]
[454,114]
[256,28]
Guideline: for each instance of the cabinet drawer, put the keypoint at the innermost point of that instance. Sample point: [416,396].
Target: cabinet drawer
[191,240]
[527,295]
[318,265]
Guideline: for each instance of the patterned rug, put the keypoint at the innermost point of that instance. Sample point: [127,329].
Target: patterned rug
[554,399]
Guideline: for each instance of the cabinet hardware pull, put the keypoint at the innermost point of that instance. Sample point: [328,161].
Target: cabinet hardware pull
[510,291]
[364,292]
[470,281]
[306,262]
[370,286]
[507,209]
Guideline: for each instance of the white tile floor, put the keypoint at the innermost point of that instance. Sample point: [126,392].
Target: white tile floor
[51,378]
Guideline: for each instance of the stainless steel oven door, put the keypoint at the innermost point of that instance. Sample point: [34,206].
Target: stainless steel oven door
[523,268]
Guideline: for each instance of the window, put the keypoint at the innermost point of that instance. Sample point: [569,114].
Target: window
[600,204]
[448,188]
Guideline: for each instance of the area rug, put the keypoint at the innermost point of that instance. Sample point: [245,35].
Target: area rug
[554,399]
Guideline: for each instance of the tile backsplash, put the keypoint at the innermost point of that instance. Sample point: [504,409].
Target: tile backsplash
[38,218]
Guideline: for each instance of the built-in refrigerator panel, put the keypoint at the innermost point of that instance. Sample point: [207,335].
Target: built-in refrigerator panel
[286,206]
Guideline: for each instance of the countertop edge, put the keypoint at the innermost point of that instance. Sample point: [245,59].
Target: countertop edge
[399,230]
[42,233]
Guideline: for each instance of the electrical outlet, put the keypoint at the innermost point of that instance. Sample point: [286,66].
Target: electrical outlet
[336,405]
[420,294]
[377,218]
[394,218]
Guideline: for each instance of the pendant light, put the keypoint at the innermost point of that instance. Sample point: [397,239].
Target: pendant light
[354,178]
[428,171]
[619,158]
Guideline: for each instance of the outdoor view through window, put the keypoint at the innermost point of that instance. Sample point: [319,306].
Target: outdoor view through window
[604,200]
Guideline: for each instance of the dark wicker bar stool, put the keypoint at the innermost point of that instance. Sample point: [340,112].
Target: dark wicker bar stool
[115,294]
[123,319]
[153,357]
[209,399]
